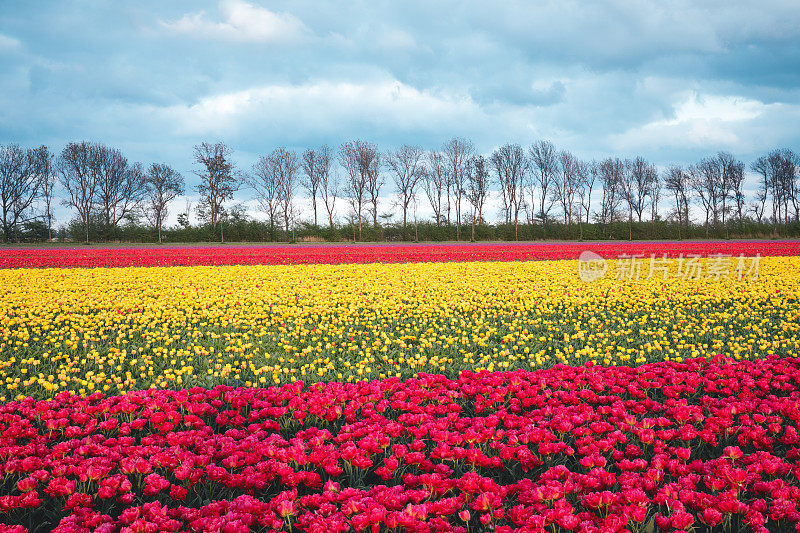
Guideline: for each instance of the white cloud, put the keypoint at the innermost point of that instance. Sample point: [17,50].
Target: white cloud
[324,106]
[698,120]
[397,40]
[716,108]
[242,21]
[631,32]
[8,43]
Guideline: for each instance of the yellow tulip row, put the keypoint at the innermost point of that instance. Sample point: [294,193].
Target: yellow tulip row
[113,330]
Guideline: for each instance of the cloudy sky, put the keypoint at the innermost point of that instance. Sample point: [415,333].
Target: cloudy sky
[669,80]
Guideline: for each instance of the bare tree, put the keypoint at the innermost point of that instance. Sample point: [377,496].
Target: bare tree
[639,178]
[509,163]
[218,180]
[783,177]
[761,166]
[285,165]
[735,181]
[184,217]
[731,171]
[637,188]
[704,181]
[767,166]
[611,173]
[477,188]
[329,187]
[163,185]
[435,182]
[655,195]
[120,189]
[311,182]
[448,184]
[20,182]
[791,183]
[265,182]
[407,166]
[565,183]
[372,166]
[414,203]
[316,164]
[778,176]
[80,178]
[779,167]
[789,186]
[361,163]
[587,175]
[458,152]
[716,181]
[677,182]
[47,183]
[544,161]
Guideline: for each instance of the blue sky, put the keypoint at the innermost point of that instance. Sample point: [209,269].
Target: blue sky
[669,80]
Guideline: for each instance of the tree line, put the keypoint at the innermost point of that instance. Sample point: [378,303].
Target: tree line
[536,186]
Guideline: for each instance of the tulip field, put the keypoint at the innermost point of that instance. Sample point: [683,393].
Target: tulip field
[316,254]
[401,388]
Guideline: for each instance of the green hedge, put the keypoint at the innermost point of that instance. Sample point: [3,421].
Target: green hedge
[256,231]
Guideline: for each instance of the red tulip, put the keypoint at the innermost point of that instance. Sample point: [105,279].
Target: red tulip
[711,516]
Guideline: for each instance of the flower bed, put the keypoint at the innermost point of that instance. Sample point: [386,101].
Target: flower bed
[701,445]
[116,330]
[336,254]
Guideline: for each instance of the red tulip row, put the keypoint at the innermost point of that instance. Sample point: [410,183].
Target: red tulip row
[701,445]
[335,254]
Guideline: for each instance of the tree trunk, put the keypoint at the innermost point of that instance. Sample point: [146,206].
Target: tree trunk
[724,222]
[630,226]
[448,205]
[314,202]
[544,224]
[458,219]
[686,217]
